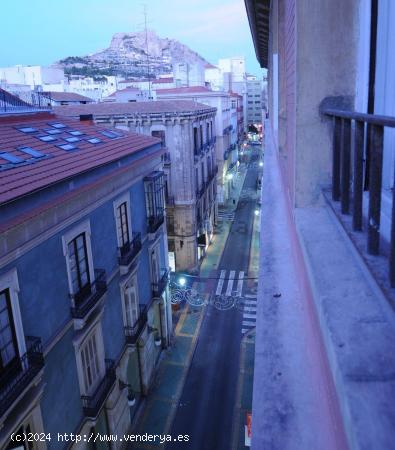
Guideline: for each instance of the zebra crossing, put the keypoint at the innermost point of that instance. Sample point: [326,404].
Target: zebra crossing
[230,284]
[226,215]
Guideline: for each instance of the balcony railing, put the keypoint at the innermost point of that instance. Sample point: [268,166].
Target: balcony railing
[166,158]
[154,222]
[23,101]
[160,286]
[352,133]
[133,333]
[84,300]
[17,376]
[92,404]
[130,250]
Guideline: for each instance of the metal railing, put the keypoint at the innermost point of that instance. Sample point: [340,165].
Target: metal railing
[166,158]
[24,100]
[16,376]
[133,333]
[352,132]
[154,222]
[130,250]
[92,404]
[159,286]
[85,299]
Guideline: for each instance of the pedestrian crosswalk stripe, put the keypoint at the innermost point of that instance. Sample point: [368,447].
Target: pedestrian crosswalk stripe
[220,282]
[230,282]
[250,296]
[247,323]
[226,215]
[249,303]
[240,283]
[250,309]
[249,316]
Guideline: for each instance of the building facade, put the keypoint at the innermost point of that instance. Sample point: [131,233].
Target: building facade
[188,134]
[253,101]
[226,151]
[325,319]
[83,277]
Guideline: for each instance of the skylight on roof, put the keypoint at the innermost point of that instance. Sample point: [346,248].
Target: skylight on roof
[53,131]
[94,140]
[57,125]
[27,129]
[46,138]
[11,158]
[67,147]
[72,139]
[110,134]
[30,151]
[76,133]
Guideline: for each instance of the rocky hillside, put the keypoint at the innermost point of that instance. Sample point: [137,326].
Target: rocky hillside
[127,56]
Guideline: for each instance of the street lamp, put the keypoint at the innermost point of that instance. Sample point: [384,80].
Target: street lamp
[257,212]
[260,164]
[182,281]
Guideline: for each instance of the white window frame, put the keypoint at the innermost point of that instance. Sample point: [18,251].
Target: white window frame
[95,330]
[155,248]
[85,228]
[132,279]
[125,198]
[9,281]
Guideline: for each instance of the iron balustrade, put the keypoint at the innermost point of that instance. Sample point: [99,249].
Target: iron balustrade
[29,100]
[133,333]
[92,404]
[154,222]
[159,286]
[348,173]
[166,158]
[16,376]
[85,299]
[130,250]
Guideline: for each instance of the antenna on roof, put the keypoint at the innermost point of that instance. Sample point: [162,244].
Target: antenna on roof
[146,51]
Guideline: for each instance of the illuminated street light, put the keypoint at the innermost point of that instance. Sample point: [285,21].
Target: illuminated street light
[257,212]
[229,176]
[261,164]
[182,281]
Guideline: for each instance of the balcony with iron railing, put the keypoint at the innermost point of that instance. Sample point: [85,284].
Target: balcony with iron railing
[16,377]
[154,222]
[24,101]
[133,333]
[92,404]
[129,251]
[86,299]
[166,159]
[357,189]
[159,286]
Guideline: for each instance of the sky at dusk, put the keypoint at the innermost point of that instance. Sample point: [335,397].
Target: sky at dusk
[43,31]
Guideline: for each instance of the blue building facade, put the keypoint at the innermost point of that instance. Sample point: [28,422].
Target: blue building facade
[84,305]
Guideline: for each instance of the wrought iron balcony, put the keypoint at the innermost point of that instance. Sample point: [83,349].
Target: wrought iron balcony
[16,377]
[92,404]
[154,222]
[160,286]
[23,101]
[84,300]
[166,159]
[133,333]
[130,250]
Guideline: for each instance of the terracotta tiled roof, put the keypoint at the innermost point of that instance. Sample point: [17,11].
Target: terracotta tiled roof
[68,97]
[53,164]
[164,106]
[210,66]
[163,80]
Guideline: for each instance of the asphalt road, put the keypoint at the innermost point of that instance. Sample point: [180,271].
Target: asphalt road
[205,410]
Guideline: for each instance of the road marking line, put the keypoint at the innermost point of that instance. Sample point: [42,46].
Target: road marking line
[250,296]
[240,283]
[230,282]
[249,316]
[244,331]
[249,303]
[247,323]
[220,282]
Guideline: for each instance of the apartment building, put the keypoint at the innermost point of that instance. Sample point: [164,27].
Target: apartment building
[187,131]
[84,305]
[324,359]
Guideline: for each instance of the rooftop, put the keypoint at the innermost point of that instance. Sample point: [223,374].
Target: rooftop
[134,108]
[40,149]
[67,97]
[184,90]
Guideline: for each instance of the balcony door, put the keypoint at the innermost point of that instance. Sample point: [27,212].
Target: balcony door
[79,268]
[131,304]
[9,353]
[155,272]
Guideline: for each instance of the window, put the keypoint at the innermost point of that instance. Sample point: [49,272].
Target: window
[207,132]
[27,129]
[48,138]
[130,299]
[195,141]
[30,151]
[53,131]
[72,139]
[79,268]
[201,135]
[11,158]
[90,363]
[94,140]
[76,133]
[8,342]
[155,272]
[155,199]
[160,134]
[122,224]
[57,125]
[68,147]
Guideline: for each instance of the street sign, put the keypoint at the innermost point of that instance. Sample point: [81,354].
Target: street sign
[247,430]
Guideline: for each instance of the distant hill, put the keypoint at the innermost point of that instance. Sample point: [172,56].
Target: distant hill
[127,56]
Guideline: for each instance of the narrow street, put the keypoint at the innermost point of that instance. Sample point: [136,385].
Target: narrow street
[206,407]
